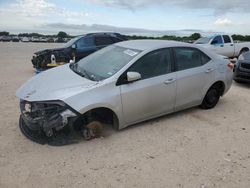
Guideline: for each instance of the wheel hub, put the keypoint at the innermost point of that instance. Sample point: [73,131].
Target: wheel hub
[92,130]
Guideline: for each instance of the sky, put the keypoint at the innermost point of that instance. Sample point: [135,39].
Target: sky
[142,17]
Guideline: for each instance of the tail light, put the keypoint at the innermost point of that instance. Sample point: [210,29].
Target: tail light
[230,66]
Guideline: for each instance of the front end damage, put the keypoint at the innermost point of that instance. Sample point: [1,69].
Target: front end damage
[47,59]
[42,121]
[57,124]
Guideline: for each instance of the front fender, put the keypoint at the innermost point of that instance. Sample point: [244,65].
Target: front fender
[97,98]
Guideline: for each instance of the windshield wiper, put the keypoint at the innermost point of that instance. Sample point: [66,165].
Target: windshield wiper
[81,72]
[73,67]
[86,74]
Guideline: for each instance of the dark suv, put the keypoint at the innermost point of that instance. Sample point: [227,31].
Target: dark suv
[76,49]
[242,68]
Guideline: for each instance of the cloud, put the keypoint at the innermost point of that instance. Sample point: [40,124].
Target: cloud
[218,6]
[223,22]
[23,14]
[82,29]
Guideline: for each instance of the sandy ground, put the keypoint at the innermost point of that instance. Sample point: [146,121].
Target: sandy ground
[193,148]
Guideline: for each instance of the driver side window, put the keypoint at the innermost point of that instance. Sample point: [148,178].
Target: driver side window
[153,64]
[217,40]
[84,42]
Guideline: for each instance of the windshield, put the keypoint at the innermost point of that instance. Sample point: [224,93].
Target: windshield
[203,40]
[106,62]
[71,42]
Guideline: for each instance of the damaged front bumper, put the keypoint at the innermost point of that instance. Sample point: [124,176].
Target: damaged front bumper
[44,119]
[49,59]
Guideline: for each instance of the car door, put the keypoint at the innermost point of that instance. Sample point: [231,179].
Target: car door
[228,49]
[195,73]
[102,41]
[84,47]
[155,93]
[218,45]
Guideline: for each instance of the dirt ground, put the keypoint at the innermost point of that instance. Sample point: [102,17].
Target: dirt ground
[189,149]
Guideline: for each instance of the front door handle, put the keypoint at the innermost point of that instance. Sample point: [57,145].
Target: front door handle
[169,81]
[209,70]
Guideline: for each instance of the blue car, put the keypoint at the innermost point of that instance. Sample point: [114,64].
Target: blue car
[76,49]
[242,68]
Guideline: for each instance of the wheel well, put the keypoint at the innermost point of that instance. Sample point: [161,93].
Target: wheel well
[244,50]
[219,85]
[104,115]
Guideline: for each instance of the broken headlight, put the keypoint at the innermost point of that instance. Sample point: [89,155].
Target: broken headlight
[41,110]
[46,116]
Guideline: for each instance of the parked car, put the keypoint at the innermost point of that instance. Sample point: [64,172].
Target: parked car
[6,38]
[50,40]
[25,39]
[35,39]
[123,84]
[242,68]
[76,48]
[15,39]
[60,40]
[223,45]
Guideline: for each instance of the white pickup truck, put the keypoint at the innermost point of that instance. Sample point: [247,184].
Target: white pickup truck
[223,45]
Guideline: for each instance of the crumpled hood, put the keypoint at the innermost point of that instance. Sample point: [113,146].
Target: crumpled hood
[54,84]
[49,50]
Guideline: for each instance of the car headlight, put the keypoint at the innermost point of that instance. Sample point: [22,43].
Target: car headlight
[41,110]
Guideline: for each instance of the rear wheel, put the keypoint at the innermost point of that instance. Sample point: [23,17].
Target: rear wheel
[211,99]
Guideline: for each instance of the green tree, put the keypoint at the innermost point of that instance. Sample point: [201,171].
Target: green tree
[62,34]
[4,33]
[195,36]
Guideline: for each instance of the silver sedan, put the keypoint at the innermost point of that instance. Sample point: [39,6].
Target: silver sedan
[123,84]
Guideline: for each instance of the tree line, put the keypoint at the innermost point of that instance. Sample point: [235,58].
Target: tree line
[60,34]
[192,37]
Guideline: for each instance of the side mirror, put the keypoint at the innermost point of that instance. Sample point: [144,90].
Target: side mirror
[214,42]
[73,46]
[133,76]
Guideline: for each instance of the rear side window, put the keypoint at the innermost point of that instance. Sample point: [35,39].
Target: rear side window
[153,64]
[103,40]
[187,58]
[226,39]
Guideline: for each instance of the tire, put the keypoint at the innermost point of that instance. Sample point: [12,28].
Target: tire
[211,99]
[92,130]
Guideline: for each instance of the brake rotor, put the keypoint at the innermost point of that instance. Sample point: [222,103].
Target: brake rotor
[92,130]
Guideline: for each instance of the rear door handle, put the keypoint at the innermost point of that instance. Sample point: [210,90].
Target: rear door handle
[169,81]
[209,70]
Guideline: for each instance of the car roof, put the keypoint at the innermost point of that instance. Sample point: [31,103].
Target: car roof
[143,45]
[100,33]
